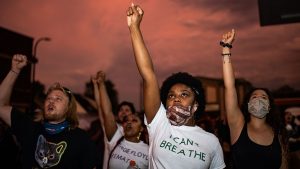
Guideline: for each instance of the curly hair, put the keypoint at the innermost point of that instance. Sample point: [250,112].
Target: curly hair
[190,81]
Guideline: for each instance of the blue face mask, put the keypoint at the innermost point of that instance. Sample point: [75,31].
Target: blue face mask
[55,128]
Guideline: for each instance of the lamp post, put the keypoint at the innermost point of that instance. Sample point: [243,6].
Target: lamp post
[34,58]
[34,61]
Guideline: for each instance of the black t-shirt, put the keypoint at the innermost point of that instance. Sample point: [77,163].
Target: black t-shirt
[70,149]
[249,155]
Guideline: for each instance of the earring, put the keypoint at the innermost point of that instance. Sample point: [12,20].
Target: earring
[139,135]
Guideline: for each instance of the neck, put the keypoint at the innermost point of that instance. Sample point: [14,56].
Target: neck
[132,139]
[55,121]
[257,123]
[190,122]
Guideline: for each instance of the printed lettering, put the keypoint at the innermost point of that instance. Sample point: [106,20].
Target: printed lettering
[181,151]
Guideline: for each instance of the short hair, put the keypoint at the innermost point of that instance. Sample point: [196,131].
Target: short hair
[72,107]
[186,79]
[126,103]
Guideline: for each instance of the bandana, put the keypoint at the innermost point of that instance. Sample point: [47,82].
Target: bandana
[55,128]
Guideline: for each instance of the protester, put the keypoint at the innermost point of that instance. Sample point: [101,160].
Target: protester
[55,141]
[175,140]
[125,143]
[257,134]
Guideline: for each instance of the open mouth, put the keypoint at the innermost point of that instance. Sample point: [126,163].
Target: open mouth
[128,127]
[50,108]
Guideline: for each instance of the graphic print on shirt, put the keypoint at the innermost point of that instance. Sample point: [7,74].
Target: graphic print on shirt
[183,147]
[48,154]
[124,153]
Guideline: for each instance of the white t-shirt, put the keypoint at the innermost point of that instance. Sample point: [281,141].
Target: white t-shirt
[126,151]
[106,146]
[182,147]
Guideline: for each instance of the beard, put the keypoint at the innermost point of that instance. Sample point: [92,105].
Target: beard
[54,117]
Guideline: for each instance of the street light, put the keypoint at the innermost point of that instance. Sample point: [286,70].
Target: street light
[34,58]
[34,61]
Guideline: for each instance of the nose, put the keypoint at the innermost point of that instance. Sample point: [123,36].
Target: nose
[177,99]
[51,100]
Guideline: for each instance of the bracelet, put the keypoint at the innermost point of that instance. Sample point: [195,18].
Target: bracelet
[14,72]
[225,44]
[226,54]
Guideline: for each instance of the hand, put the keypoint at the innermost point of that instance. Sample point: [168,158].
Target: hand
[94,79]
[100,77]
[229,37]
[134,15]
[18,62]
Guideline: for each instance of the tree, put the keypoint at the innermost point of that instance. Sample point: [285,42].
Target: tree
[112,93]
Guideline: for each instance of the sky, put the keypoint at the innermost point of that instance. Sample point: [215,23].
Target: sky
[181,35]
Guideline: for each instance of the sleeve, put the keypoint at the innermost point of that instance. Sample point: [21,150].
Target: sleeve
[218,158]
[118,134]
[160,121]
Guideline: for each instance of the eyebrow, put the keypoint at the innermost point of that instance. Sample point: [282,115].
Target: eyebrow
[263,95]
[183,90]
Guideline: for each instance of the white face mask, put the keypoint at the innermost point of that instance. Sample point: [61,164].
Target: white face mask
[258,107]
[179,115]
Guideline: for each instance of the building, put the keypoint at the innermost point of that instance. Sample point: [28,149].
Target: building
[12,43]
[214,93]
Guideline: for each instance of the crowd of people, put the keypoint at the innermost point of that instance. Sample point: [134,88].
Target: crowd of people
[170,132]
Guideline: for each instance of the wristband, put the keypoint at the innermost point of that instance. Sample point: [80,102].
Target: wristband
[226,54]
[14,72]
[225,44]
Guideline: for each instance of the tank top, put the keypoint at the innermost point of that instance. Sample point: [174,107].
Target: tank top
[248,155]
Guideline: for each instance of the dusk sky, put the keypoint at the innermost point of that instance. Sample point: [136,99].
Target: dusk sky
[181,35]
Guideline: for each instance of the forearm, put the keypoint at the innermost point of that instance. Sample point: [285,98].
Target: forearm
[142,56]
[6,88]
[228,72]
[96,95]
[110,124]
[145,66]
[98,103]
[231,101]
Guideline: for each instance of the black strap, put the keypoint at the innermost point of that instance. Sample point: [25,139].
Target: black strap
[118,142]
[225,44]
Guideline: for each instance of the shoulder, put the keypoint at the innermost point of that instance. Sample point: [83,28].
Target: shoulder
[79,134]
[207,135]
[143,144]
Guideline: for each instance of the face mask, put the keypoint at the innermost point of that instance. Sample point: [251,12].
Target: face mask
[258,107]
[179,115]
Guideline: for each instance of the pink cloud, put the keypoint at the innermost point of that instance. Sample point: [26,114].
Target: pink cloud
[181,36]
